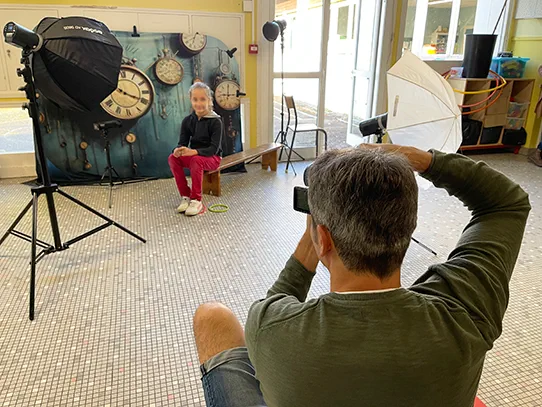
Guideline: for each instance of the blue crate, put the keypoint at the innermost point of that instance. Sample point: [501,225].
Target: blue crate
[509,67]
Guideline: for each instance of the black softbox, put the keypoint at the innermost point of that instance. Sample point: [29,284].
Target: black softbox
[78,65]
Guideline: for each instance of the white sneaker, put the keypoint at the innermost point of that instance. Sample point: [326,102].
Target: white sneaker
[185,202]
[194,208]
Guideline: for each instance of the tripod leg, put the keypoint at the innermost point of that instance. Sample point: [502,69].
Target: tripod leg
[110,196]
[33,257]
[299,155]
[117,175]
[282,142]
[105,172]
[16,222]
[95,212]
[290,149]
[288,162]
[54,219]
[424,246]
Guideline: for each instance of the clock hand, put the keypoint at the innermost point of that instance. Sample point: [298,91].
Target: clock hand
[132,96]
[127,94]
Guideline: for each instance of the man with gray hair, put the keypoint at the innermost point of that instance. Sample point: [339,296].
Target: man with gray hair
[370,341]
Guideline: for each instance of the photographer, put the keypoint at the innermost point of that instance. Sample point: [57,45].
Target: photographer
[370,341]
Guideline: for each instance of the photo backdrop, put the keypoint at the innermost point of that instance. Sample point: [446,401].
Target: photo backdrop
[75,151]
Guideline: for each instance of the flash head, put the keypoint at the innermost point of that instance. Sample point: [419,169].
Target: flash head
[22,37]
[374,125]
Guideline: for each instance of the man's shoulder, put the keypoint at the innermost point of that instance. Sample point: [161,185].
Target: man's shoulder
[280,309]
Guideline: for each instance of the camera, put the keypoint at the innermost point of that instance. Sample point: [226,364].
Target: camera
[301,194]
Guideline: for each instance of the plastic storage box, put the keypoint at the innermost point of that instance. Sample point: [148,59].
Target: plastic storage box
[509,67]
[517,109]
[514,123]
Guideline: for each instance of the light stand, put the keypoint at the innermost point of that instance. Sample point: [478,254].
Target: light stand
[282,133]
[104,127]
[47,189]
[271,31]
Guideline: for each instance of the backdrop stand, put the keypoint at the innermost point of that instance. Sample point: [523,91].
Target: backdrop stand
[47,189]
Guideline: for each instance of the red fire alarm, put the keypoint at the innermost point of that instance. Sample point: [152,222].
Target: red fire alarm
[253,49]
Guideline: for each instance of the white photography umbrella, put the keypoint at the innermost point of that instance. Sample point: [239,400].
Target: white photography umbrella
[422,110]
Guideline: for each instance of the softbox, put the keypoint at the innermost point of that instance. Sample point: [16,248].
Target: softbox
[79,63]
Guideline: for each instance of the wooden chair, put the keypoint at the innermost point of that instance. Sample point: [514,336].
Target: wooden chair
[299,128]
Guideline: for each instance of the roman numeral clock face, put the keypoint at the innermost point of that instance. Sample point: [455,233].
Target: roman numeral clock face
[133,97]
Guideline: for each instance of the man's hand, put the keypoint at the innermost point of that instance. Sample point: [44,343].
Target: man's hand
[188,152]
[419,160]
[305,252]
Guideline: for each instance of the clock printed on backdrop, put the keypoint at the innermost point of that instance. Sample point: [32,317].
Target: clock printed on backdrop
[193,43]
[168,70]
[133,97]
[225,68]
[226,94]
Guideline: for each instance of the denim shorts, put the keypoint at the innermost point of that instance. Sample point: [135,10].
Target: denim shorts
[229,380]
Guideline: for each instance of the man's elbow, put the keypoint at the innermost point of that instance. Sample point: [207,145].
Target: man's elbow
[523,201]
[520,202]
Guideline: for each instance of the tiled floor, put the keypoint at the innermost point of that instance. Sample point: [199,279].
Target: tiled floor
[113,324]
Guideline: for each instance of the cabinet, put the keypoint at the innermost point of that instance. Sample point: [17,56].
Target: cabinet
[489,125]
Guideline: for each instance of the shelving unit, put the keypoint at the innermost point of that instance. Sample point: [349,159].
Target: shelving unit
[493,119]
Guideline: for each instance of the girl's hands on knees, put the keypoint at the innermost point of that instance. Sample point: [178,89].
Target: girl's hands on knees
[187,152]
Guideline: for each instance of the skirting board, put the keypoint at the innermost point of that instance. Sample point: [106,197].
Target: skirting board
[17,165]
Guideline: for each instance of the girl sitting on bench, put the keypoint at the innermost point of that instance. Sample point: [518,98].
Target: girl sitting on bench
[198,148]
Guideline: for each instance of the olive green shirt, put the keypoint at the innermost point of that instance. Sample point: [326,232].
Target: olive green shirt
[418,346]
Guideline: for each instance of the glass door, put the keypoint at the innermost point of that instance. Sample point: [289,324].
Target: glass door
[330,51]
[364,67]
[340,61]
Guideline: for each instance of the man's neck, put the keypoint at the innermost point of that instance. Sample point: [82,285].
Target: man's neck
[343,280]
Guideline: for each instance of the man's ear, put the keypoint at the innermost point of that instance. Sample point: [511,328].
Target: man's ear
[325,242]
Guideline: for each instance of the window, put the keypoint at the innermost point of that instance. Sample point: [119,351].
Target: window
[437,28]
[342,22]
[15,131]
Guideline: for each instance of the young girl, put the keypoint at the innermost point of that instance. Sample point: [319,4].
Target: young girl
[198,148]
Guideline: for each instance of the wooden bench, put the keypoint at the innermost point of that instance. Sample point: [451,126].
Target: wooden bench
[268,152]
